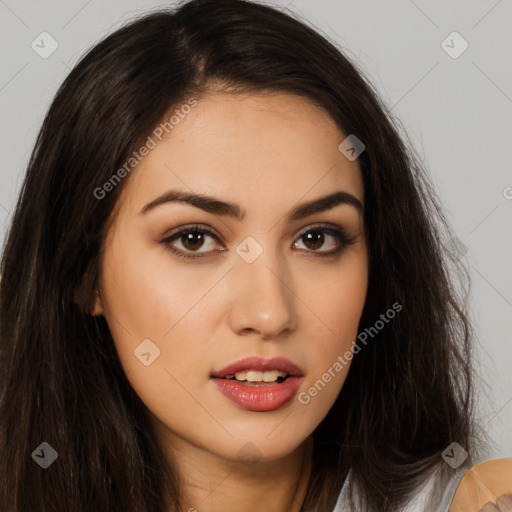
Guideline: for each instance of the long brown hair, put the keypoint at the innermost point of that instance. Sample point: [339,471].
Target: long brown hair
[409,392]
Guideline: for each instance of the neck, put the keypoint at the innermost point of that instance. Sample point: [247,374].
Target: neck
[211,483]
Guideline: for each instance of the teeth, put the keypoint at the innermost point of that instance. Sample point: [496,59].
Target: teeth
[254,376]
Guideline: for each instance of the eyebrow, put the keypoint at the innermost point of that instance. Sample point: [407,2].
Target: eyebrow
[218,207]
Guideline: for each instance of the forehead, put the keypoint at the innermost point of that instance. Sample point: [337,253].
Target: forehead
[266,147]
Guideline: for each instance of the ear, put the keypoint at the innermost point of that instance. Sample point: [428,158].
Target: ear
[87,294]
[97,306]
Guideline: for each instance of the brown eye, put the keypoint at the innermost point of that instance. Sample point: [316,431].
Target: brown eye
[314,239]
[193,240]
[319,237]
[188,240]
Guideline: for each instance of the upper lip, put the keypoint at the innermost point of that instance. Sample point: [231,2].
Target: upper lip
[259,364]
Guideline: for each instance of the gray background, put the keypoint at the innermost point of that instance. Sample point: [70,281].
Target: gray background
[457,111]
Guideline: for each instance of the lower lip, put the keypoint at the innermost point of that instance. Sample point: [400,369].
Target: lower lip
[259,398]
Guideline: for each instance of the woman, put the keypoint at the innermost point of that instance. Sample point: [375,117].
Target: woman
[219,221]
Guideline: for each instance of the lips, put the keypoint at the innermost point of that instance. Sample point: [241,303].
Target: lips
[261,396]
[258,364]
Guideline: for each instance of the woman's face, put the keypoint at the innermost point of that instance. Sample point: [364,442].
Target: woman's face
[260,278]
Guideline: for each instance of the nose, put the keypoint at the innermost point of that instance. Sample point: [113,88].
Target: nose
[262,297]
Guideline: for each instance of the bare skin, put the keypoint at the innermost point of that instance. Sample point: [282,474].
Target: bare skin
[486,487]
[268,154]
[503,504]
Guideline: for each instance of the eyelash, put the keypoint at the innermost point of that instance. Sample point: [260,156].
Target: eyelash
[343,238]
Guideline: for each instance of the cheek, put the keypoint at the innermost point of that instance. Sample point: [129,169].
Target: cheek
[165,310]
[335,311]
[167,304]
[336,300]
[151,297]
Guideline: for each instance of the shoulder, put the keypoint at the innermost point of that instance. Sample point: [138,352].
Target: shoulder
[427,497]
[482,484]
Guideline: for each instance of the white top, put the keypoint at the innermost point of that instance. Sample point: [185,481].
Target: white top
[419,503]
